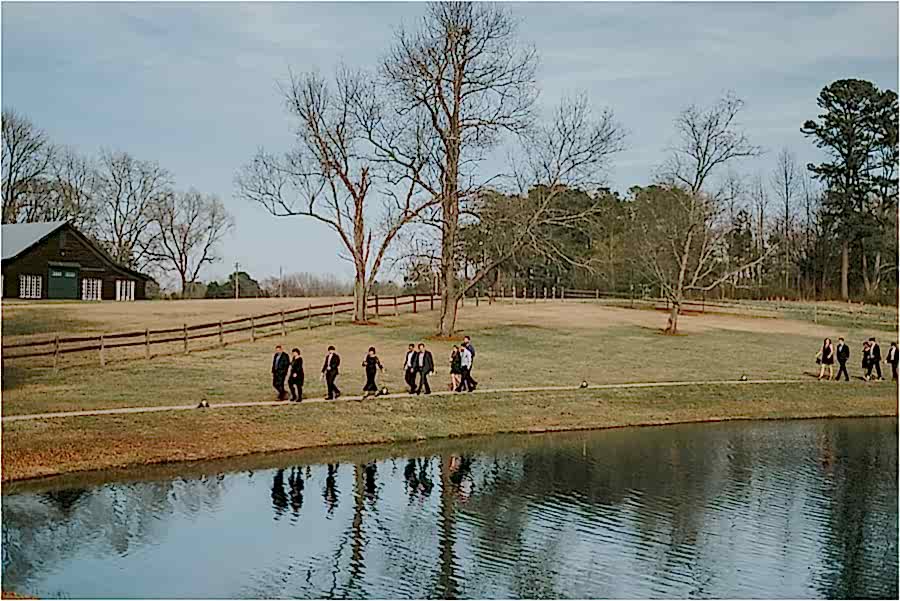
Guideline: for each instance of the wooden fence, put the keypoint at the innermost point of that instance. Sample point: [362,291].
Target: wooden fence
[258,326]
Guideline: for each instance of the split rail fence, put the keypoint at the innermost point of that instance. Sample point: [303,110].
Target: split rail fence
[178,339]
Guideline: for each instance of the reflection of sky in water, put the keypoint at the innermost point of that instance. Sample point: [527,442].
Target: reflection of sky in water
[797,509]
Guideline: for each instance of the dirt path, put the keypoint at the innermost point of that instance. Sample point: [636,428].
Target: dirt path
[128,410]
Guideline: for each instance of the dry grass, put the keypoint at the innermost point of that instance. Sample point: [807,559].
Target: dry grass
[532,344]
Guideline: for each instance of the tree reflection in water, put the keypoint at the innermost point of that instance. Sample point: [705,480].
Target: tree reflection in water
[799,509]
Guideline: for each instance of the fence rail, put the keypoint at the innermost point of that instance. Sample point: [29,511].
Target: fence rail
[259,326]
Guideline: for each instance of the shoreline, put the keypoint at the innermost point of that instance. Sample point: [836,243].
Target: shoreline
[509,414]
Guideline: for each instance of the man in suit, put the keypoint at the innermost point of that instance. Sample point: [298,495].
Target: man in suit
[843,355]
[465,358]
[409,368]
[280,365]
[330,371]
[425,364]
[876,357]
[893,358]
[470,381]
[295,380]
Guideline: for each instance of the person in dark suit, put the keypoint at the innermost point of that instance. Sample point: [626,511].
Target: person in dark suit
[280,365]
[843,355]
[425,364]
[330,372]
[409,368]
[295,379]
[876,356]
[893,358]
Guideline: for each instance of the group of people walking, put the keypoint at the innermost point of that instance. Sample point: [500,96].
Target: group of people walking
[871,359]
[418,366]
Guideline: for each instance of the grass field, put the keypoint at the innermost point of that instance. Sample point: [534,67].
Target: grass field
[533,344]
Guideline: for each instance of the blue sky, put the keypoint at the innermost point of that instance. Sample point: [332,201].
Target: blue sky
[194,85]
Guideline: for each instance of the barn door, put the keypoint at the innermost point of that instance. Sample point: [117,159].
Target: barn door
[63,282]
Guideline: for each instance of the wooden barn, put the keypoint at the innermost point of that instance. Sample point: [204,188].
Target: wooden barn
[53,260]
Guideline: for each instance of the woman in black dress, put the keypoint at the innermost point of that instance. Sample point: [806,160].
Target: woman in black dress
[826,356]
[455,368]
[372,364]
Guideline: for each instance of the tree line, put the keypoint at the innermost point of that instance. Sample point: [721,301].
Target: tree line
[130,207]
[390,158]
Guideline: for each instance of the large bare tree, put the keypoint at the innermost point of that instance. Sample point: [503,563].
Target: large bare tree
[332,174]
[27,158]
[127,193]
[466,74]
[785,181]
[679,224]
[188,228]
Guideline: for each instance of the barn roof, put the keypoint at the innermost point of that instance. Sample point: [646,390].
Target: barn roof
[19,237]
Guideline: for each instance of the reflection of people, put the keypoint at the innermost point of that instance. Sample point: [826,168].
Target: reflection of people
[370,471]
[280,364]
[279,498]
[330,371]
[460,476]
[295,485]
[424,365]
[372,364]
[417,479]
[330,494]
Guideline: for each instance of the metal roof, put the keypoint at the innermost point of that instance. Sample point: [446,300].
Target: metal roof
[18,237]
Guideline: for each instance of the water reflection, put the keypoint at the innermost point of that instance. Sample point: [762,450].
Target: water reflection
[802,509]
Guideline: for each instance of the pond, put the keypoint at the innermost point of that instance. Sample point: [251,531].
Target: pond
[747,509]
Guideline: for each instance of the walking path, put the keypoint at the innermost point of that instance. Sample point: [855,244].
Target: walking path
[127,410]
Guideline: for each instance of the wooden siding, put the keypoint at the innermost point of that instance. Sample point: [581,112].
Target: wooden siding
[65,245]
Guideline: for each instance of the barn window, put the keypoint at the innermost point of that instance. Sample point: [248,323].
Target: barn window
[91,288]
[30,286]
[124,290]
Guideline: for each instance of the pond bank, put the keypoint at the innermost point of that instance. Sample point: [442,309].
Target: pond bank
[39,448]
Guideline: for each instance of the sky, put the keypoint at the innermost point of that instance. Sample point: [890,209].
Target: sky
[194,86]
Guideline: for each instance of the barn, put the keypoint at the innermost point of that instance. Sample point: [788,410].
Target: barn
[53,260]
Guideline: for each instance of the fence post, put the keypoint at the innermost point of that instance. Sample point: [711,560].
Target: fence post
[376,305]
[431,302]
[221,337]
[252,329]
[147,343]
[102,348]
[414,302]
[476,298]
[332,315]
[185,339]
[308,316]
[514,293]
[553,293]
[632,296]
[562,294]
[545,293]
[396,312]
[535,295]
[283,331]
[56,353]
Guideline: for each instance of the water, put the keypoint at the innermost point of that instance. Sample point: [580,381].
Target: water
[755,509]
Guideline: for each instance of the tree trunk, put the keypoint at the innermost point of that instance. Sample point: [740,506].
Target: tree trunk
[672,325]
[360,298]
[867,283]
[845,269]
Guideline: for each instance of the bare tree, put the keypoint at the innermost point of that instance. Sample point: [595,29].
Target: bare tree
[680,223]
[465,73]
[188,228]
[27,157]
[785,180]
[72,191]
[759,200]
[569,154]
[127,193]
[330,174]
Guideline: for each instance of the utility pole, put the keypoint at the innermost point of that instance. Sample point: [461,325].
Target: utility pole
[236,267]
